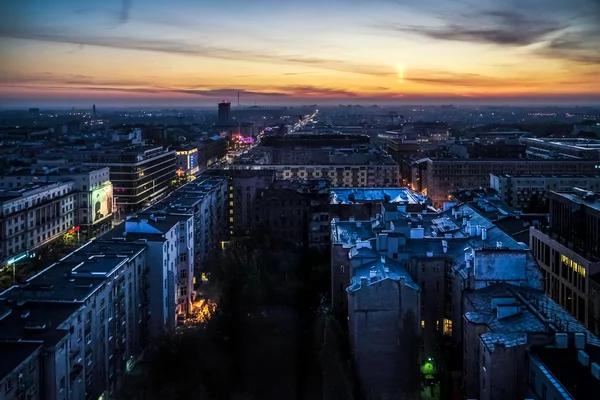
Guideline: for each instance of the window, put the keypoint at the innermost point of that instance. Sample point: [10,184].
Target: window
[183,274]
[422,323]
[183,291]
[8,386]
[447,328]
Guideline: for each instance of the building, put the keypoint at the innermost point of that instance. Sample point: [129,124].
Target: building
[383,318]
[20,370]
[169,241]
[206,200]
[443,253]
[509,334]
[567,148]
[294,210]
[223,114]
[211,151]
[93,192]
[569,254]
[33,216]
[446,175]
[525,192]
[88,313]
[243,187]
[188,164]
[365,203]
[140,174]
[569,369]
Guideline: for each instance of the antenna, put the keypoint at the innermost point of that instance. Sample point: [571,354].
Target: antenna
[238,99]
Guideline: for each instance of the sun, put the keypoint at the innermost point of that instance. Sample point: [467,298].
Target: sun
[400,70]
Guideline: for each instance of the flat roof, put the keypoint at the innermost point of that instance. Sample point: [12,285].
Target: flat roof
[513,330]
[594,204]
[564,365]
[77,276]
[396,195]
[15,354]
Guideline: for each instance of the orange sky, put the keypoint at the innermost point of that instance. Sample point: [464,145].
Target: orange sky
[272,51]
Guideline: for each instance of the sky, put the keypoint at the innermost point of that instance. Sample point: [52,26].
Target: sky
[187,52]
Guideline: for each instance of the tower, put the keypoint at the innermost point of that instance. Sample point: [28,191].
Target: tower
[223,115]
[94,111]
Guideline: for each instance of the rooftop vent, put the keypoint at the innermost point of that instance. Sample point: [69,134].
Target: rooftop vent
[579,340]
[583,358]
[561,340]
[596,371]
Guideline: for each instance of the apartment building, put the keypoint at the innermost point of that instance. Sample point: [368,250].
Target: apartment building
[380,337]
[33,216]
[20,370]
[567,251]
[88,314]
[169,243]
[441,252]
[443,176]
[525,192]
[93,192]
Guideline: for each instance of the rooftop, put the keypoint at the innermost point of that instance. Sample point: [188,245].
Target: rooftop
[348,233]
[582,196]
[380,270]
[14,354]
[533,312]
[395,195]
[76,276]
[564,366]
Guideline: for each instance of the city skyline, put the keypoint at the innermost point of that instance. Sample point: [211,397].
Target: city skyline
[185,52]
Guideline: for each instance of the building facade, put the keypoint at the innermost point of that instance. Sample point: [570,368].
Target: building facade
[524,192]
[33,216]
[447,175]
[187,162]
[87,312]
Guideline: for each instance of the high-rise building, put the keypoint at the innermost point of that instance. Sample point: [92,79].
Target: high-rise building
[223,113]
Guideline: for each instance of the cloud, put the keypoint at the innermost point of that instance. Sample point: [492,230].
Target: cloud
[567,30]
[227,92]
[317,91]
[125,10]
[189,49]
[445,78]
[491,27]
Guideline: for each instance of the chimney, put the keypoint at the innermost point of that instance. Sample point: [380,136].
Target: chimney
[358,224]
[351,219]
[596,371]
[561,340]
[445,246]
[579,340]
[464,222]
[478,230]
[383,259]
[483,233]
[583,358]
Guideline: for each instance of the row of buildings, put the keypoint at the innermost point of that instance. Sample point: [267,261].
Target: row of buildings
[72,330]
[524,322]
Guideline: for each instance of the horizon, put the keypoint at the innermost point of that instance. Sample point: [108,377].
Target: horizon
[184,52]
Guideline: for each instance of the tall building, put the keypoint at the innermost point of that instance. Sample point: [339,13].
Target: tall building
[34,215]
[568,252]
[223,114]
[140,175]
[187,161]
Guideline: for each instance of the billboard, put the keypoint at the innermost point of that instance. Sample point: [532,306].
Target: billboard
[102,203]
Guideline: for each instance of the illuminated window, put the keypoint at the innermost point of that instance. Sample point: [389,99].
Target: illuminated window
[447,330]
[573,265]
[231,203]
[437,324]
[230,211]
[422,323]
[231,195]
[230,219]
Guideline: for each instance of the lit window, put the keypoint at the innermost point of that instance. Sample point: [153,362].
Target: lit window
[447,330]
[437,324]
[422,323]
[231,219]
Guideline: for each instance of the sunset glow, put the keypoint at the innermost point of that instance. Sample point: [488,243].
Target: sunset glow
[175,51]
